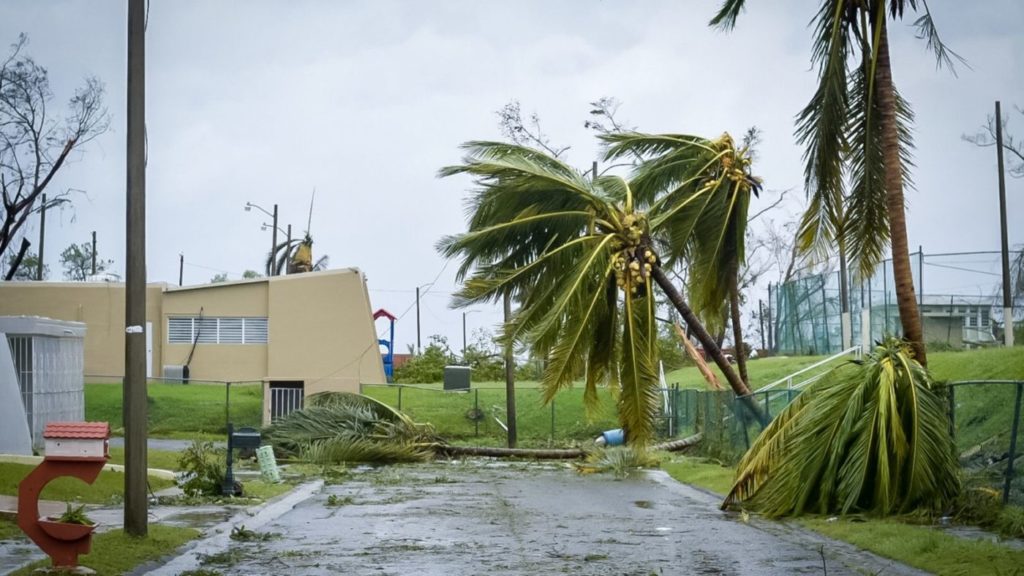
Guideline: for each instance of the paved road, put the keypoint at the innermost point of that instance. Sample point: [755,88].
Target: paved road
[166,444]
[455,519]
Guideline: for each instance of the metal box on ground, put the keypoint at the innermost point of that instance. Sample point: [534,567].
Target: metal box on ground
[456,377]
[49,360]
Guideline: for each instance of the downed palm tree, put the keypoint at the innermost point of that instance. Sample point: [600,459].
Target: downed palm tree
[871,436]
[341,427]
[337,427]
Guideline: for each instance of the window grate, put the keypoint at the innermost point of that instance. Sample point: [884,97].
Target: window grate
[216,330]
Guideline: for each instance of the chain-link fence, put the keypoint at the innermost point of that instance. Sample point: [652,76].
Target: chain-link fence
[479,415]
[959,297]
[177,409]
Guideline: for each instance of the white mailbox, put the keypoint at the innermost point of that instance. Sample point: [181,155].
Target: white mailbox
[77,441]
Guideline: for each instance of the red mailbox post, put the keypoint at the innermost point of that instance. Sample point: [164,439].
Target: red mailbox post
[77,449]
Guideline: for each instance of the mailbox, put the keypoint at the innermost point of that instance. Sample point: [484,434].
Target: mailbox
[82,441]
[243,438]
[246,438]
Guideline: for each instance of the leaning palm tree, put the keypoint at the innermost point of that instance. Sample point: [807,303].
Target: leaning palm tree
[583,258]
[295,256]
[856,126]
[870,436]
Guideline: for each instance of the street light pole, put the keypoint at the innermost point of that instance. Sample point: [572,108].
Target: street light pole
[417,320]
[273,243]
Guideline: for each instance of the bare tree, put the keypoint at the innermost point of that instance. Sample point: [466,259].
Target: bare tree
[35,142]
[985,137]
[525,133]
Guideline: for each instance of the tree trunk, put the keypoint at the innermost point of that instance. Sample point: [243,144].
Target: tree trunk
[740,351]
[510,380]
[740,388]
[906,298]
[554,454]
[16,263]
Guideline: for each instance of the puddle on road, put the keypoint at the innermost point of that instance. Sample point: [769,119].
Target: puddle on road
[199,519]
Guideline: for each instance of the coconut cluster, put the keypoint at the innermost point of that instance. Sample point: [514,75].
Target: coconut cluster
[634,259]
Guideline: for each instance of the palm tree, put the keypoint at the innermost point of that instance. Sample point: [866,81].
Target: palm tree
[870,436]
[856,126]
[582,257]
[295,256]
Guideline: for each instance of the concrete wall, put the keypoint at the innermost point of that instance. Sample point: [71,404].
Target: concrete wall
[320,327]
[229,362]
[100,305]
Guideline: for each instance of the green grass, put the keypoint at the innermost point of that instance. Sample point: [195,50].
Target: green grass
[108,487]
[9,530]
[160,459]
[918,546]
[116,553]
[923,547]
[176,409]
[264,490]
[702,472]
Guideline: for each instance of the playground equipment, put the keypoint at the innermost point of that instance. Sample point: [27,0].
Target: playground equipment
[389,358]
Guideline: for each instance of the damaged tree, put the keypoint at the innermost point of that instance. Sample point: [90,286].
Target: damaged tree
[35,143]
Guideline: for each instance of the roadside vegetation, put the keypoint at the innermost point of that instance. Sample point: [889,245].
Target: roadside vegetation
[107,489]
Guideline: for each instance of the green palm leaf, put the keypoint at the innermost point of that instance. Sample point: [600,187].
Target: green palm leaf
[870,437]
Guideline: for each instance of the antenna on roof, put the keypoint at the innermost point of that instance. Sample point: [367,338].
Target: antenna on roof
[309,223]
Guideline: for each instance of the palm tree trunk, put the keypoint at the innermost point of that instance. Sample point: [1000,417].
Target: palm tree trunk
[740,388]
[737,328]
[906,297]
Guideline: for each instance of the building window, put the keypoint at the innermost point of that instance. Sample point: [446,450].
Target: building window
[984,318]
[213,330]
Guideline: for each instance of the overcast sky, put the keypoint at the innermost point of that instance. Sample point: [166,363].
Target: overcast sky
[364,101]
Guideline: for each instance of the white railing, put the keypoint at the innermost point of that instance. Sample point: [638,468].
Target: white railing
[791,380]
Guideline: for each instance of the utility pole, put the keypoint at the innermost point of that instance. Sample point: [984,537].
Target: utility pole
[288,247]
[134,417]
[181,268]
[274,271]
[510,381]
[42,238]
[760,318]
[1007,297]
[417,320]
[93,252]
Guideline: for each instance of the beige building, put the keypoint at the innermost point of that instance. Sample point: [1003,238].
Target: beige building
[297,334]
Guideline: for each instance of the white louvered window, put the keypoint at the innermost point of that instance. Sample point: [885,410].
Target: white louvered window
[255,330]
[214,330]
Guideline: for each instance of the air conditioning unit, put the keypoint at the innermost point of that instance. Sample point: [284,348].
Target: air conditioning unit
[176,372]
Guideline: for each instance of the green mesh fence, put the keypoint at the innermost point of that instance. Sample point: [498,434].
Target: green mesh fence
[958,295]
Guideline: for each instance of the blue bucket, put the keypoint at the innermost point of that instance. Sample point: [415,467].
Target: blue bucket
[615,437]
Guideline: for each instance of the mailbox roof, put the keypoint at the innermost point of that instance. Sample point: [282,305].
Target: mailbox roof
[82,430]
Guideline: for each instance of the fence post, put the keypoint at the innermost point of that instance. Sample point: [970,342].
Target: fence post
[552,419]
[952,411]
[400,397]
[476,411]
[1013,443]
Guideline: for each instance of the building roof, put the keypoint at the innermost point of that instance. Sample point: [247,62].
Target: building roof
[80,430]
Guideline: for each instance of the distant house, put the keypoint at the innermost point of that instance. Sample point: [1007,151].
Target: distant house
[296,334]
[960,321]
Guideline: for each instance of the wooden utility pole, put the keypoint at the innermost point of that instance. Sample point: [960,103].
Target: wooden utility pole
[1007,296]
[42,238]
[181,268]
[134,394]
[418,320]
[510,380]
[274,270]
[93,253]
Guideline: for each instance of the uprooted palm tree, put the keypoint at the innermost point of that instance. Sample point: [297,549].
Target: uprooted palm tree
[295,256]
[582,256]
[871,436]
[857,125]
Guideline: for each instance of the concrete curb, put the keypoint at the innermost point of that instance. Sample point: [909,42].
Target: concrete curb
[218,538]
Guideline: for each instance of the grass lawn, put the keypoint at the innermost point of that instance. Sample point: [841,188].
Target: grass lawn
[918,546]
[108,487]
[9,530]
[161,459]
[180,408]
[116,553]
[923,547]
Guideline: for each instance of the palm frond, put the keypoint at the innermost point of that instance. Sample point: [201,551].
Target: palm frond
[870,437]
[927,31]
[726,17]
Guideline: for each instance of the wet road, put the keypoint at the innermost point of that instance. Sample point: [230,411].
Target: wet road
[457,519]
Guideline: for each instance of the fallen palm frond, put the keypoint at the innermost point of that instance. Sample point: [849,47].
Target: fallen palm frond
[869,437]
[342,427]
[621,461]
